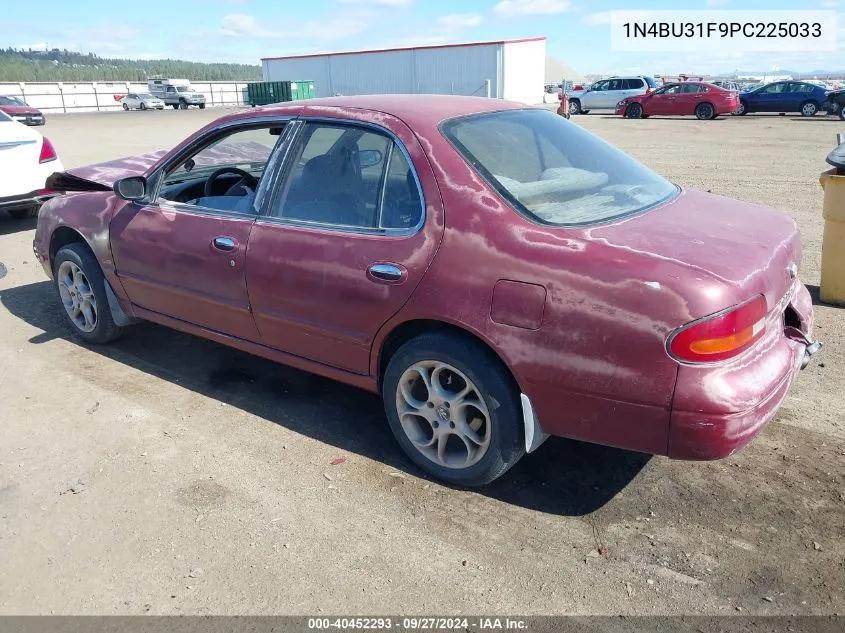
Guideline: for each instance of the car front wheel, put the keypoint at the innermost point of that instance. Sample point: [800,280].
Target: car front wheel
[841,112]
[574,106]
[634,111]
[454,409]
[80,285]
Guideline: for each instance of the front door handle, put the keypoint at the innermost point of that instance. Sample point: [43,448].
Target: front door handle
[223,243]
[389,273]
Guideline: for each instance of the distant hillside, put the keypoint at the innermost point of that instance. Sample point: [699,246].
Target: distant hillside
[63,65]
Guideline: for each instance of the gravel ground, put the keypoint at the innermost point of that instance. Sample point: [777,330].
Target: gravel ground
[167,474]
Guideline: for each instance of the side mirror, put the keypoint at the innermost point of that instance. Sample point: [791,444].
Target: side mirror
[369,157]
[133,188]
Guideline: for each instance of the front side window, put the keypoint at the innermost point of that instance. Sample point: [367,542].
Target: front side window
[553,171]
[774,89]
[350,177]
[224,175]
[670,90]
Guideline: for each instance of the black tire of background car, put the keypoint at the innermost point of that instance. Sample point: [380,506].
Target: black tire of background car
[125,106]
[574,106]
[841,112]
[23,214]
[175,106]
[742,110]
[705,112]
[183,105]
[202,106]
[501,395]
[106,330]
[143,106]
[634,111]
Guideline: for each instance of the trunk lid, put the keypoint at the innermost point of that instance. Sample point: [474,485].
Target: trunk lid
[20,148]
[713,251]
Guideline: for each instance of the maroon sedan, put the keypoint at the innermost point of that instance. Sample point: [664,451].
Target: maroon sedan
[496,272]
[17,108]
[690,98]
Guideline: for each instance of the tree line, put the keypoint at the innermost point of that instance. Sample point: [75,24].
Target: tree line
[64,65]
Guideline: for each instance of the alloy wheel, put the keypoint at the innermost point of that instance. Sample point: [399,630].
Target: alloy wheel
[443,414]
[77,296]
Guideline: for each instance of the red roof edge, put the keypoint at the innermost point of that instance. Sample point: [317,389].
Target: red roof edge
[408,48]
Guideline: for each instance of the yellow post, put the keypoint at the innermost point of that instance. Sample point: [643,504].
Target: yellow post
[832,287]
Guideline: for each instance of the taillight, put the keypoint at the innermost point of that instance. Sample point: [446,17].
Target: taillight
[48,152]
[721,335]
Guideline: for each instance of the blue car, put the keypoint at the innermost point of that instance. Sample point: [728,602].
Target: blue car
[784,96]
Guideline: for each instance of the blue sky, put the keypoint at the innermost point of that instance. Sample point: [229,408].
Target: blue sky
[246,30]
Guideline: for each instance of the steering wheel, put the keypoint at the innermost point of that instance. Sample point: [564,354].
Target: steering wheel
[247,179]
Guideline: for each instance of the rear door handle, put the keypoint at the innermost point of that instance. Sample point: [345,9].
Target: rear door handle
[389,273]
[223,243]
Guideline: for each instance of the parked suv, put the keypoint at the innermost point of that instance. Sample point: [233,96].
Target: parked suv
[606,93]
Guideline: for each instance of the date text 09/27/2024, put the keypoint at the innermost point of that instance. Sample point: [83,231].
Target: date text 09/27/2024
[417,623]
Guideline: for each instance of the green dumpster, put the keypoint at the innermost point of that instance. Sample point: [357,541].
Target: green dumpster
[265,92]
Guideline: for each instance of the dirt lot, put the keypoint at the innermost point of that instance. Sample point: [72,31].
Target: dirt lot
[167,474]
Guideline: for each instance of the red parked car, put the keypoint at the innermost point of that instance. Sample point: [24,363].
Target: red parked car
[690,98]
[17,108]
[494,271]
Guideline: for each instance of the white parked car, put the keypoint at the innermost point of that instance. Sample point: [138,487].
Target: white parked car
[26,160]
[142,101]
[606,93]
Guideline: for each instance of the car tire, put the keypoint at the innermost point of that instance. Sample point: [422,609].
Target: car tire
[488,445]
[742,109]
[574,106]
[809,109]
[183,105]
[175,106]
[71,260]
[841,112]
[143,106]
[24,213]
[634,111]
[126,107]
[202,106]
[705,112]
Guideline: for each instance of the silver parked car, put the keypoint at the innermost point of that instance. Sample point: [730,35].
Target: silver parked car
[142,101]
[606,93]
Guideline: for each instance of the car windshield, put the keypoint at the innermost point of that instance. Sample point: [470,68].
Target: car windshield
[651,82]
[145,95]
[11,101]
[554,171]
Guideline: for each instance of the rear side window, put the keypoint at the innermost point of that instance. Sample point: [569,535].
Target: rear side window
[693,88]
[633,84]
[615,84]
[552,171]
[350,177]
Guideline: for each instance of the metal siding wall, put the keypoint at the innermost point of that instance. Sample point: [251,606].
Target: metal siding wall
[306,68]
[461,70]
[457,70]
[373,73]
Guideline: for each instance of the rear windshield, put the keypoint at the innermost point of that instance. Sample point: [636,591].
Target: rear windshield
[554,171]
[651,82]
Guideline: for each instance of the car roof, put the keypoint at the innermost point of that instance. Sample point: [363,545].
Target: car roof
[411,108]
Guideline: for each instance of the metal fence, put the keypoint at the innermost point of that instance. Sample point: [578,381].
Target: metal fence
[98,96]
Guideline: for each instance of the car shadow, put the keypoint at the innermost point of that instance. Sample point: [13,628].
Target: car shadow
[563,477]
[815,294]
[9,225]
[657,117]
[817,118]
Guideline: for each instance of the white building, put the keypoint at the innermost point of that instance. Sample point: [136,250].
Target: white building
[507,69]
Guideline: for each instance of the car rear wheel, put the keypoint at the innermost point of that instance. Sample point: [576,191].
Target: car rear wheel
[453,409]
[125,106]
[202,106]
[634,111]
[574,106]
[741,109]
[809,108]
[143,106]
[81,288]
[175,106]
[705,112]
[24,213]
[183,105]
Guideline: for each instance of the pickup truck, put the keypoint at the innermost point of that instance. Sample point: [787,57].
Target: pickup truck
[180,97]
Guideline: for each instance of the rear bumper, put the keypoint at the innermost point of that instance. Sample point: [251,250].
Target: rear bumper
[29,119]
[26,200]
[761,382]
